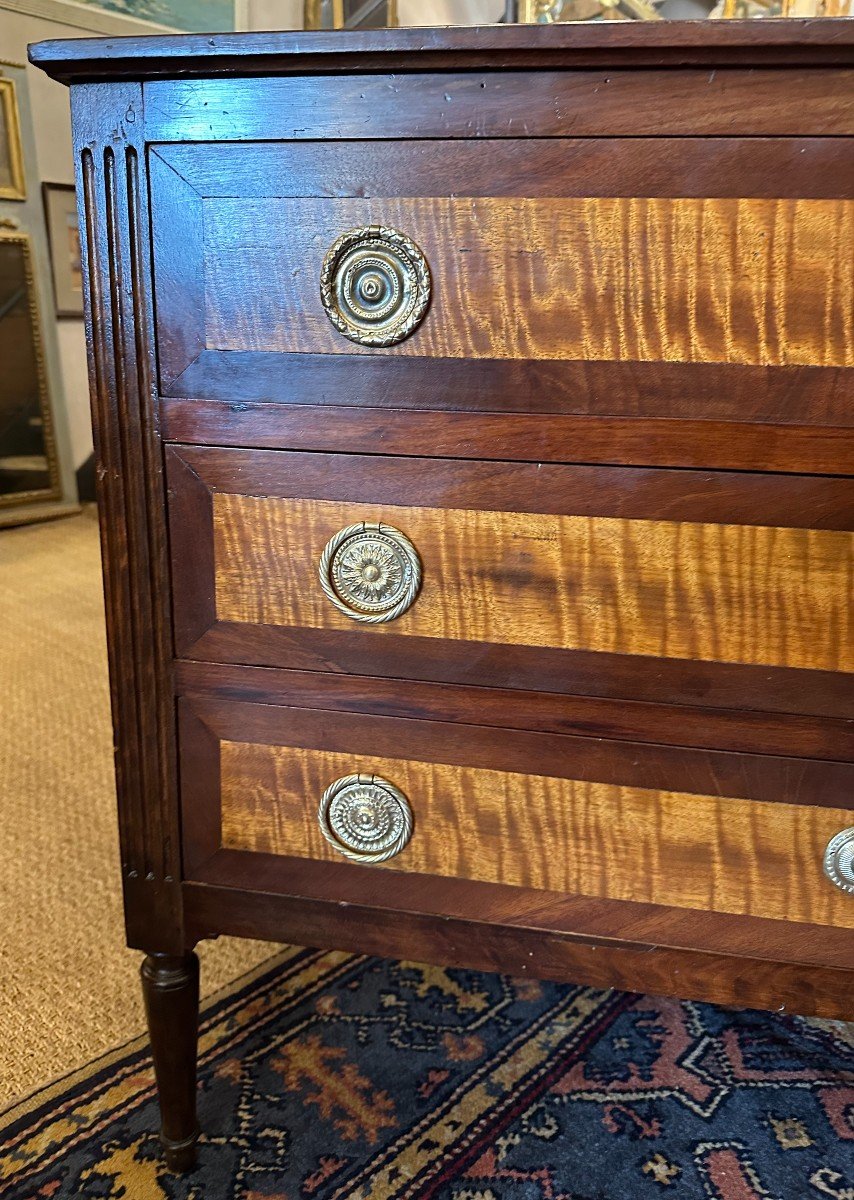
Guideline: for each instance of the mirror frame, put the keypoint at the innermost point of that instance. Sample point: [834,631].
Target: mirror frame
[9,104]
[54,491]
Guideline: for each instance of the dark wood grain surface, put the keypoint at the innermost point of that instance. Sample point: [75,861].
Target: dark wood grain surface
[526,437]
[773,733]
[113,194]
[780,168]
[726,497]
[771,167]
[499,946]
[672,102]
[769,778]
[726,392]
[805,42]
[632,924]
[170,988]
[580,672]
[176,230]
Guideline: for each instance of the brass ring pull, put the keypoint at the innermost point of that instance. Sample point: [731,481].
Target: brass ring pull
[365,818]
[375,285]
[371,572]
[839,860]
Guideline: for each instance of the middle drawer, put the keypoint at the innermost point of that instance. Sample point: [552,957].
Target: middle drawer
[729,590]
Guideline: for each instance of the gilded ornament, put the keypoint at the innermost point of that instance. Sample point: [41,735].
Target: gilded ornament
[371,572]
[839,860]
[365,818]
[375,285]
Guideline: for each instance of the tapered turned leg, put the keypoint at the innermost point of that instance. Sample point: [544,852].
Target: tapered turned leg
[170,986]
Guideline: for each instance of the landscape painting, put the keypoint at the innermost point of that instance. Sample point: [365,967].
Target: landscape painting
[191,16]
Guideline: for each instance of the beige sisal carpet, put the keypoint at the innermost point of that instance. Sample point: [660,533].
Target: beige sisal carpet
[69,987]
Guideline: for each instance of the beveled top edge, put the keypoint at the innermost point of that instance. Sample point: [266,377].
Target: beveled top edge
[770,42]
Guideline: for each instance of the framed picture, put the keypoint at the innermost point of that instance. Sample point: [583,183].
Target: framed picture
[550,12]
[188,16]
[29,471]
[12,184]
[60,212]
[349,14]
[546,12]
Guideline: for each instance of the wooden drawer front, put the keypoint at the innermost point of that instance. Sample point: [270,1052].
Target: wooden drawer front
[525,810]
[759,281]
[713,592]
[567,277]
[547,564]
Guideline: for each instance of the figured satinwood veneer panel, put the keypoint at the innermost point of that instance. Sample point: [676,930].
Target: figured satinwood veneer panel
[559,835]
[721,593]
[758,281]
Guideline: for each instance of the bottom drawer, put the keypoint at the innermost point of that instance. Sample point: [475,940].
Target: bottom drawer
[691,847]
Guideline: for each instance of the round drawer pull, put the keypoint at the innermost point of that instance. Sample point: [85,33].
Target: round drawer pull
[839,860]
[375,285]
[365,818]
[371,572]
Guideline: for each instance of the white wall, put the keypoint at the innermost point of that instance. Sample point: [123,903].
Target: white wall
[50,117]
[270,14]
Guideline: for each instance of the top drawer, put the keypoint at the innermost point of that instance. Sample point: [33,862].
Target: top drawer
[695,288]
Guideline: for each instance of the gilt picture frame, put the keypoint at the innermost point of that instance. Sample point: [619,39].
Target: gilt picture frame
[350,14]
[66,268]
[550,12]
[28,473]
[12,180]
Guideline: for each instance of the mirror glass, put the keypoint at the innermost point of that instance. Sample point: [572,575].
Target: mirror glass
[25,462]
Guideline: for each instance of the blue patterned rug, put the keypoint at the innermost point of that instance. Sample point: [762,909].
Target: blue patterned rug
[330,1076]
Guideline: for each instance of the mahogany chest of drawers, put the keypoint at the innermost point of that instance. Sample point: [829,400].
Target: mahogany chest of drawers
[474,413]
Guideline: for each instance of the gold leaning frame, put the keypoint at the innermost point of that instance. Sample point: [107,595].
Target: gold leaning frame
[543,11]
[534,12]
[9,104]
[54,491]
[312,10]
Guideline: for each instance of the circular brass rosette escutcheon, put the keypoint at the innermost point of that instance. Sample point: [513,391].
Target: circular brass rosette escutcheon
[375,285]
[371,572]
[365,818]
[839,860]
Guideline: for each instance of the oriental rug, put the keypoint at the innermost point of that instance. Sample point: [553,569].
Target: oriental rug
[332,1077]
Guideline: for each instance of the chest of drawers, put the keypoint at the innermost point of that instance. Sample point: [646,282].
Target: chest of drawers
[474,414]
